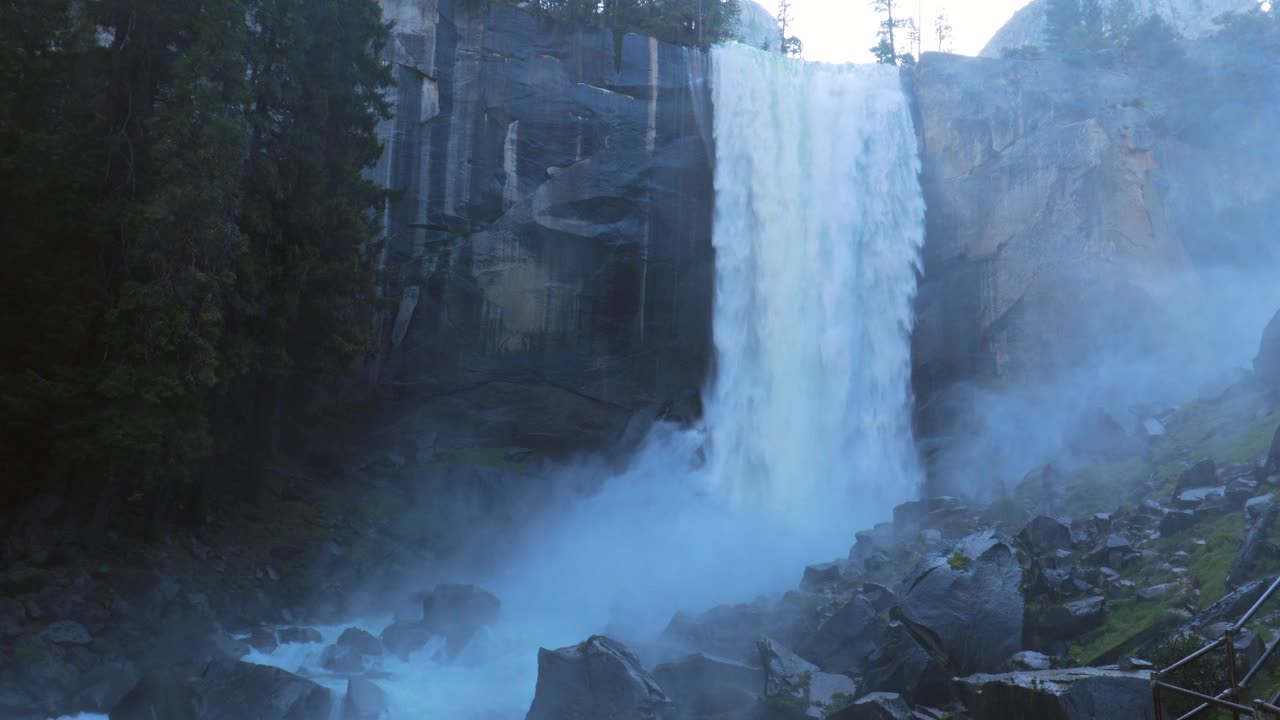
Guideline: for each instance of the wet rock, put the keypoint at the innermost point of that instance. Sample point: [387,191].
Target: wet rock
[704,685]
[827,688]
[404,637]
[731,631]
[599,678]
[1253,507]
[818,576]
[1030,660]
[1231,607]
[1254,548]
[1155,591]
[1267,363]
[456,612]
[364,701]
[66,632]
[1202,474]
[900,664]
[104,686]
[354,652]
[1060,623]
[1044,535]
[875,706]
[968,605]
[871,542]
[263,640]
[1197,497]
[300,635]
[880,597]
[784,671]
[1176,521]
[159,694]
[235,689]
[1153,428]
[1075,694]
[226,690]
[789,676]
[843,643]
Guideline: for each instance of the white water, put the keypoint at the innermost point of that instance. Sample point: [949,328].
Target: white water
[818,226]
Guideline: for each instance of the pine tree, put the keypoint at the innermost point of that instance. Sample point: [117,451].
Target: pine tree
[787,44]
[942,30]
[886,49]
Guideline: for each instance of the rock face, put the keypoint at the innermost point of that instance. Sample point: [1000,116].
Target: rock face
[599,679]
[1077,694]
[967,606]
[1267,363]
[552,237]
[1042,203]
[1059,193]
[1191,18]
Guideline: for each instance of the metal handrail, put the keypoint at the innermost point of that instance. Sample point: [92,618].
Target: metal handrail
[1228,698]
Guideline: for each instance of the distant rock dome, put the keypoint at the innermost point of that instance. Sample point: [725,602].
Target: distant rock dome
[1191,18]
[756,26]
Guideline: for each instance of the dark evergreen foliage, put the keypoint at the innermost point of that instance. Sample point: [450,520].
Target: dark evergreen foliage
[181,181]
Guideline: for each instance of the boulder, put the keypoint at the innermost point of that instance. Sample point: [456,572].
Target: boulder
[66,632]
[1267,364]
[732,631]
[900,664]
[599,679]
[1075,694]
[844,641]
[789,677]
[818,576]
[1030,660]
[967,606]
[456,612]
[364,701]
[1254,548]
[784,671]
[875,706]
[1200,497]
[1044,535]
[403,637]
[354,651]
[705,685]
[1175,521]
[159,694]
[226,690]
[1202,474]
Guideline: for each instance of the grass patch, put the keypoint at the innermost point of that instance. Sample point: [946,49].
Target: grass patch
[959,561]
[1130,622]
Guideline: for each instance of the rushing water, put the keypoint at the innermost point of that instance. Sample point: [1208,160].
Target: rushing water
[818,227]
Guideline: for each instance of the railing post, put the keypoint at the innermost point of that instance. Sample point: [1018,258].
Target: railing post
[1231,670]
[1155,694]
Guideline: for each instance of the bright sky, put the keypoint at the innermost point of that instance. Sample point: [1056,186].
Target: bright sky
[844,30]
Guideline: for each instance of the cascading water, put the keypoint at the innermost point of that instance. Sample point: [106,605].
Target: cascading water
[818,226]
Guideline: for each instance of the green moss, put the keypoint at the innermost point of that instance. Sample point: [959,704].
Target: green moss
[839,701]
[959,561]
[1130,622]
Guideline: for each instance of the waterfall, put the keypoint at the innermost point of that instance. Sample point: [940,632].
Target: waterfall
[807,434]
[819,222]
